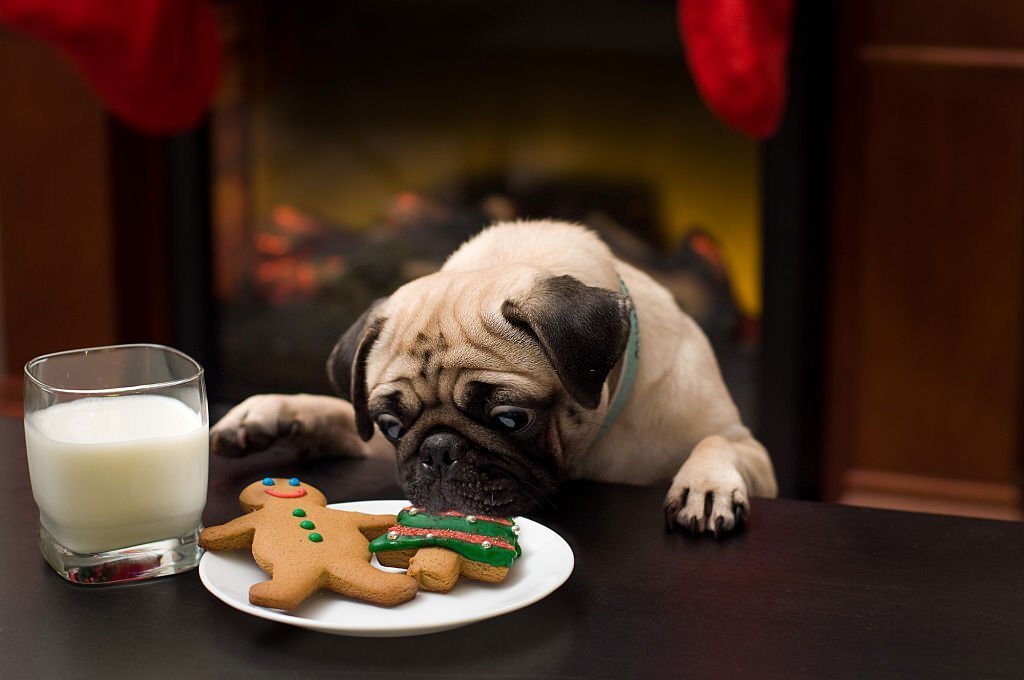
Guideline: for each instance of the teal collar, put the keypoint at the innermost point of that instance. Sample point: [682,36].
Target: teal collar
[631,359]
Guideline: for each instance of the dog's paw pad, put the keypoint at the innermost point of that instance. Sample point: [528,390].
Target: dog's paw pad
[254,425]
[702,507]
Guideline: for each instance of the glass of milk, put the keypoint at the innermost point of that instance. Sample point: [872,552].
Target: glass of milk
[118,454]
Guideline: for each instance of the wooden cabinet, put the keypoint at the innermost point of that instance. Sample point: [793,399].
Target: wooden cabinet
[926,310]
[86,248]
[56,241]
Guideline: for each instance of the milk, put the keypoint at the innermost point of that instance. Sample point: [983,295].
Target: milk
[112,472]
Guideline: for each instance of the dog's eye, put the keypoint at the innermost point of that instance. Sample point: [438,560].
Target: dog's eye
[511,418]
[391,426]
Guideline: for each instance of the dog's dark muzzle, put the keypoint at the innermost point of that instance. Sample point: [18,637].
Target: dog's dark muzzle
[442,449]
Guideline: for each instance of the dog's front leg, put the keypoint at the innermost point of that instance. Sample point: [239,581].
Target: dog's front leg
[305,424]
[711,491]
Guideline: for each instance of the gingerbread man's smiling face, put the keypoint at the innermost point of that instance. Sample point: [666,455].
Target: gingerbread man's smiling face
[279,490]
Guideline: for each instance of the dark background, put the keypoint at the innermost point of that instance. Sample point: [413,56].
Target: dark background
[889,364]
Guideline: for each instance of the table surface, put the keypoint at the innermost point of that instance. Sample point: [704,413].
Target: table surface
[808,591]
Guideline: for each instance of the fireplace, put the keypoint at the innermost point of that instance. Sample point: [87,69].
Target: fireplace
[356,144]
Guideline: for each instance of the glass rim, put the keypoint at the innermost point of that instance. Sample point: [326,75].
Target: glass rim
[39,384]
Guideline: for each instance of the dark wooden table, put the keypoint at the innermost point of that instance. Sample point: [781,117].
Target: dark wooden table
[809,591]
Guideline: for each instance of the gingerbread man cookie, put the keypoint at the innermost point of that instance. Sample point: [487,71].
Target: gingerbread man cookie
[439,548]
[306,547]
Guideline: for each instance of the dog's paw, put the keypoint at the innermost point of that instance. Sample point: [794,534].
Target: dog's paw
[707,496]
[255,425]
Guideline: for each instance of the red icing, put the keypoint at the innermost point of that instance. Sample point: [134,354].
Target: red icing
[449,533]
[451,513]
[297,493]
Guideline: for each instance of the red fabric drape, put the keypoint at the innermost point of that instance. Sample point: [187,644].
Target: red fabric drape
[155,63]
[737,52]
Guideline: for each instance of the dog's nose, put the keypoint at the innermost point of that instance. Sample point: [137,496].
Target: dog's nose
[440,449]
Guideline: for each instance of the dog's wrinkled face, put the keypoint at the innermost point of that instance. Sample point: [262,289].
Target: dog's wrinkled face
[486,385]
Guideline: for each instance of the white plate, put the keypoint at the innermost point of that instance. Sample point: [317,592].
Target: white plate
[545,564]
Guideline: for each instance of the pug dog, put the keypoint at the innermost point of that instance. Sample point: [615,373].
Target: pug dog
[532,356]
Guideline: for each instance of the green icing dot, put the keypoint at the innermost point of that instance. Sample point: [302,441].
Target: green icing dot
[299,512]
[306,524]
[315,537]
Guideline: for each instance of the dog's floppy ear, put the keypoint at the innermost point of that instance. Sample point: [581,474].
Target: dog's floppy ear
[346,367]
[583,331]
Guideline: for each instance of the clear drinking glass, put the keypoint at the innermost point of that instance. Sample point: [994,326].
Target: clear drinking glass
[118,454]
